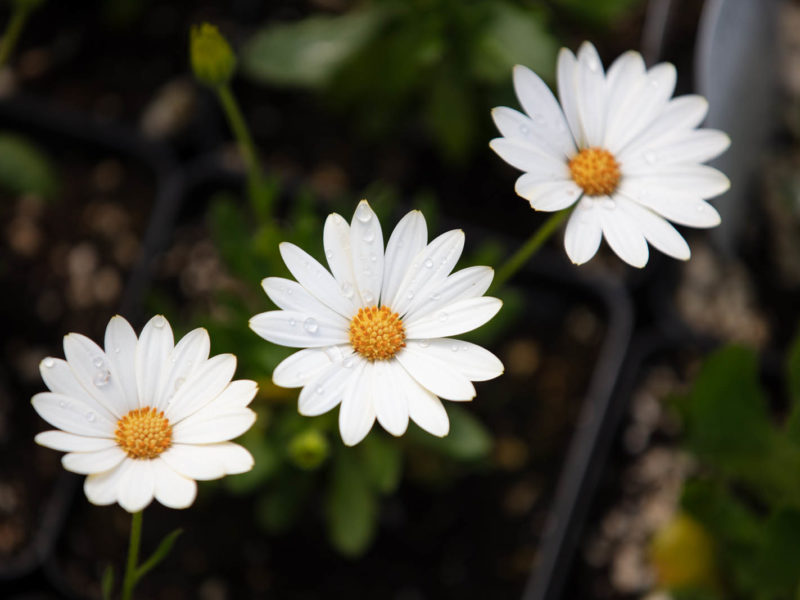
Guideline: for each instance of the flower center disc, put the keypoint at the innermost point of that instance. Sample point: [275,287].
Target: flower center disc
[377,333]
[596,171]
[144,433]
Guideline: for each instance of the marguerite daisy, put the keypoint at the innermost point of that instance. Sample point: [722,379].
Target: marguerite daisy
[620,148]
[376,327]
[145,418]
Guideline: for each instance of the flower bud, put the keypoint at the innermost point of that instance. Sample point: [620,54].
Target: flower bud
[212,58]
[682,554]
[308,449]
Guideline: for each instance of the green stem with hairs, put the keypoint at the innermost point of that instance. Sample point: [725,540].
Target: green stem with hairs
[529,248]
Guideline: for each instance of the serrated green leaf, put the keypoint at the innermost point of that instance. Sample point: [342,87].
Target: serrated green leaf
[24,168]
[160,553]
[383,462]
[308,53]
[351,507]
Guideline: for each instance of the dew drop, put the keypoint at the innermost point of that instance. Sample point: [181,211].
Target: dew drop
[62,404]
[593,64]
[91,417]
[329,254]
[524,130]
[347,290]
[292,322]
[320,390]
[159,322]
[424,343]
[117,350]
[348,362]
[334,353]
[179,382]
[561,126]
[443,317]
[437,296]
[428,263]
[289,291]
[538,119]
[102,379]
[311,325]
[650,157]
[363,213]
[369,236]
[410,295]
[368,298]
[49,362]
[609,204]
[373,257]
[464,347]
[97,362]
[701,208]
[454,347]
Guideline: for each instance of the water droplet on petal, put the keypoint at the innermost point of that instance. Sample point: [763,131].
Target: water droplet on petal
[373,257]
[363,213]
[524,129]
[320,390]
[428,263]
[650,157]
[97,362]
[292,322]
[311,325]
[538,119]
[91,417]
[334,353]
[329,253]
[62,404]
[49,362]
[117,350]
[159,322]
[437,296]
[369,236]
[347,290]
[410,295]
[369,298]
[609,204]
[454,347]
[179,382]
[443,317]
[424,343]
[348,362]
[102,378]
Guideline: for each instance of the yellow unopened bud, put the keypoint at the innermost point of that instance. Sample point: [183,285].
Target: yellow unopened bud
[213,60]
[682,554]
[308,449]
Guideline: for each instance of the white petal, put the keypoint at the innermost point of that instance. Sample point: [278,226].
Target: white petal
[137,486]
[456,318]
[98,461]
[656,230]
[357,412]
[210,461]
[472,361]
[186,360]
[471,282]
[73,415]
[567,77]
[69,442]
[407,240]
[694,146]
[583,235]
[426,410]
[526,157]
[624,236]
[678,207]
[209,426]
[172,489]
[336,240]
[428,269]
[681,114]
[434,374]
[102,489]
[625,77]
[548,196]
[687,180]
[120,346]
[547,121]
[91,368]
[152,356]
[299,330]
[61,379]
[301,367]
[212,377]
[389,399]
[318,281]
[237,394]
[642,106]
[366,242]
[290,295]
[591,95]
[326,391]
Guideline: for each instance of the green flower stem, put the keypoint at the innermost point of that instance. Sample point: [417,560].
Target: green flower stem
[528,249]
[131,575]
[242,134]
[13,30]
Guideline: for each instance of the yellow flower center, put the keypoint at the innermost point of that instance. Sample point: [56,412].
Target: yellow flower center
[596,171]
[377,333]
[144,433]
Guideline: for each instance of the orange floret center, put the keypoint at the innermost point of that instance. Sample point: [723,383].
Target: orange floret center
[596,171]
[377,333]
[144,433]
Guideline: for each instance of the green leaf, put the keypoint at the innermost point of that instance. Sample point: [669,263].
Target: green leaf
[351,507]
[602,12]
[467,441]
[107,582]
[452,116]
[24,168]
[160,554]
[278,509]
[778,562]
[383,462]
[514,35]
[308,53]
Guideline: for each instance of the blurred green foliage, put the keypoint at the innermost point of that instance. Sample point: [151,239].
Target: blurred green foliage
[24,169]
[747,495]
[399,64]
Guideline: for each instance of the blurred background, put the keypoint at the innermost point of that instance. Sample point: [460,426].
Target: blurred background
[628,452]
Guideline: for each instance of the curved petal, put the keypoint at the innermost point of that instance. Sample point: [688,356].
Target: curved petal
[318,281]
[172,489]
[366,242]
[426,410]
[136,488]
[102,489]
[98,461]
[62,380]
[210,461]
[210,425]
[548,196]
[567,79]
[591,95]
[656,230]
[471,282]
[73,415]
[456,318]
[212,377]
[91,368]
[408,239]
[237,394]
[526,157]
[357,412]
[472,361]
[302,367]
[686,180]
[186,359]
[435,375]
[290,295]
[69,442]
[120,346]
[152,356]
[623,235]
[389,399]
[583,234]
[299,330]
[327,390]
[681,114]
[338,251]
[678,207]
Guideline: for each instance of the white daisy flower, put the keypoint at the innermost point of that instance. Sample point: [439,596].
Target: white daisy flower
[145,418]
[620,148]
[376,327]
